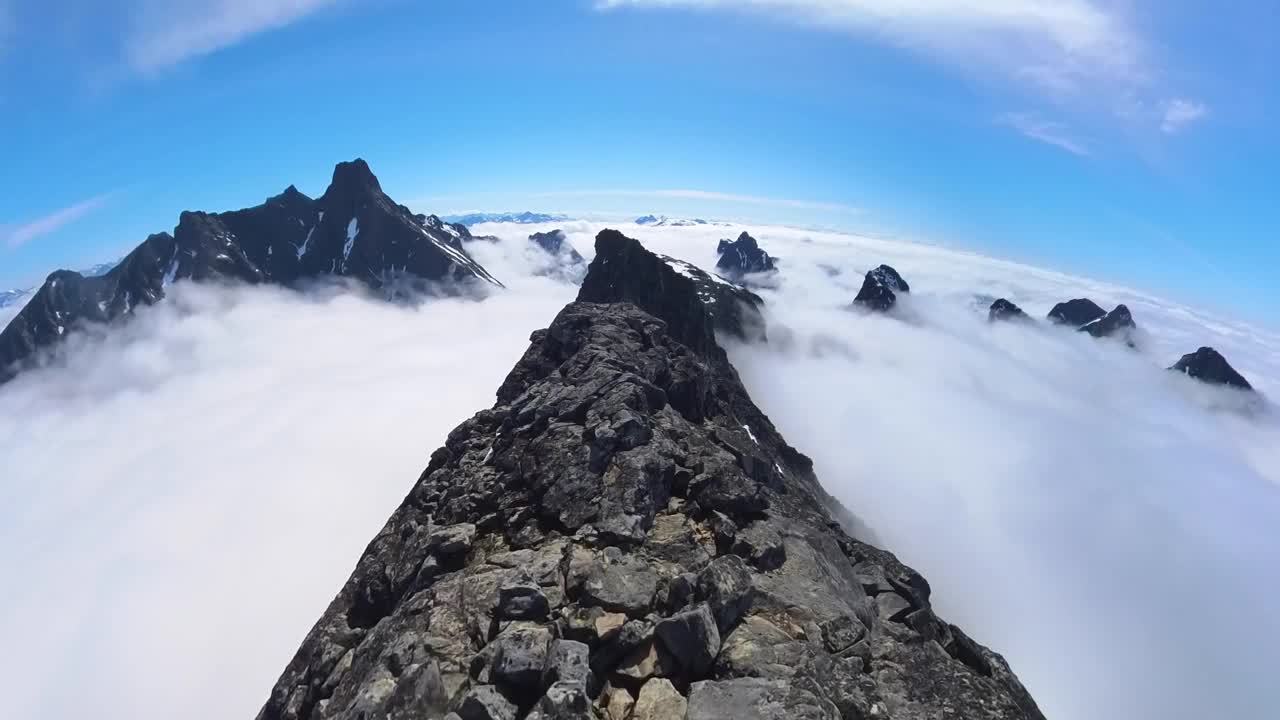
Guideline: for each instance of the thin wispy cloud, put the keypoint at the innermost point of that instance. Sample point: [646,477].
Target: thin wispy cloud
[166,32]
[1045,131]
[1180,113]
[18,235]
[710,196]
[1085,55]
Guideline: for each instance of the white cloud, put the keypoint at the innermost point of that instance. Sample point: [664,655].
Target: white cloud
[1088,55]
[185,497]
[1180,113]
[23,233]
[1045,131]
[165,33]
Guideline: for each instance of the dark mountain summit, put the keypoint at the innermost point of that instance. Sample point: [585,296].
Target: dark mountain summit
[1002,309]
[556,244]
[354,230]
[1208,365]
[879,289]
[624,534]
[1117,322]
[741,257]
[1076,313]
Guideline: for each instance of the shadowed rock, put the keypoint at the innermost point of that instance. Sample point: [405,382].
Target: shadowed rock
[1118,322]
[1076,313]
[742,257]
[614,473]
[1004,310]
[1208,365]
[879,289]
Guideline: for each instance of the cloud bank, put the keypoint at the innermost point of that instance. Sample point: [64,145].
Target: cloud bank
[183,498]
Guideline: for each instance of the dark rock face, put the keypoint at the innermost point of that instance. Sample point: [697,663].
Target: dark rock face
[742,257]
[1076,313]
[695,301]
[353,230]
[1208,365]
[600,477]
[1004,310]
[569,263]
[879,289]
[1117,323]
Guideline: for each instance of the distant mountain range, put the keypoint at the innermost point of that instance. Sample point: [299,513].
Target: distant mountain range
[664,221]
[354,230]
[521,218]
[12,297]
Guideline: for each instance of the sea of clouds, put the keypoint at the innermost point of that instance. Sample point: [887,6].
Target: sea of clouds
[183,497]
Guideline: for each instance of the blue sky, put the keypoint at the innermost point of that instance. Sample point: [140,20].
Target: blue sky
[1133,141]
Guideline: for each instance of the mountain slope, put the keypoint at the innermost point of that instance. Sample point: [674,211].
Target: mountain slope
[354,230]
[626,528]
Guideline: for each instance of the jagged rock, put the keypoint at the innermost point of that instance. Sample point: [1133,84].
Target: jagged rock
[725,583]
[446,542]
[692,638]
[659,700]
[625,585]
[484,702]
[1002,309]
[563,701]
[692,302]
[1076,313]
[1207,365]
[519,657]
[879,289]
[1117,322]
[743,699]
[618,704]
[522,600]
[742,257]
[567,661]
[354,230]
[625,412]
[761,546]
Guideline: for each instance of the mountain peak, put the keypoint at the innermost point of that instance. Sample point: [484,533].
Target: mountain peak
[353,176]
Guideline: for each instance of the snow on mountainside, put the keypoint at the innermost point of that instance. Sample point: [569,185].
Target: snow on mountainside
[352,231]
[521,218]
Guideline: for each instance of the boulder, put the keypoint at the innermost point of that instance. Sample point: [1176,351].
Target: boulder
[692,638]
[484,702]
[519,657]
[659,700]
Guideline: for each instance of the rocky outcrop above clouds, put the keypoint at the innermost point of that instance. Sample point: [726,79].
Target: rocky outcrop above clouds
[742,257]
[1002,309]
[1076,313]
[354,231]
[880,288]
[1209,366]
[624,534]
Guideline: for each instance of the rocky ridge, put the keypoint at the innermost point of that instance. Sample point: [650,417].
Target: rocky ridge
[354,230]
[624,534]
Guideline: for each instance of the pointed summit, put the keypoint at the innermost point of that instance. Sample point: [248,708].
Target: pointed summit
[353,178]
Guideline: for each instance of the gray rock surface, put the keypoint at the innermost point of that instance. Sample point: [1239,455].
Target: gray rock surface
[613,476]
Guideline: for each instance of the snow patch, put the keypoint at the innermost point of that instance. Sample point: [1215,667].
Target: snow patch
[353,230]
